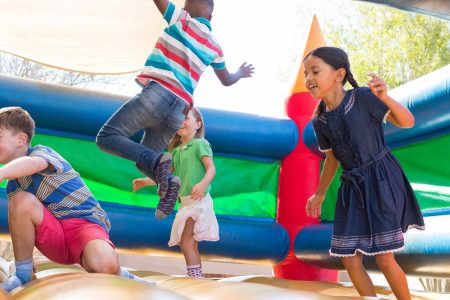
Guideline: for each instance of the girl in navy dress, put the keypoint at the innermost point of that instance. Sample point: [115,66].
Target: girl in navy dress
[375,202]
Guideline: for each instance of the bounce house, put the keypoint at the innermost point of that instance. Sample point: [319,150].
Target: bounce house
[266,170]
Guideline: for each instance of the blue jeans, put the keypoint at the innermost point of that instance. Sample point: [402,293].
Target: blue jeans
[156,110]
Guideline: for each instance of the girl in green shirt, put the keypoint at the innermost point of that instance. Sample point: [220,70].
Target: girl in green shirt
[192,162]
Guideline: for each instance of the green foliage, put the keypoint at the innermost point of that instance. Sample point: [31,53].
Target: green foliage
[399,46]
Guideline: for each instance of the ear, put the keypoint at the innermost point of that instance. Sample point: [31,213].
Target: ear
[198,124]
[22,139]
[340,74]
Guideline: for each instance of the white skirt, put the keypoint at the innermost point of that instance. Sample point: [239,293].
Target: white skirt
[201,211]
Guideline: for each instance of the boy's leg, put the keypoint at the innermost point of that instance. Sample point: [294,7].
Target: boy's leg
[100,257]
[26,214]
[159,139]
[154,108]
[131,117]
[167,203]
[90,247]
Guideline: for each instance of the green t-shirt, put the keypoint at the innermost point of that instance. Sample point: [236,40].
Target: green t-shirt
[187,161]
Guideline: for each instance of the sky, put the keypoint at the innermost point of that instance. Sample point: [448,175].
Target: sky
[269,34]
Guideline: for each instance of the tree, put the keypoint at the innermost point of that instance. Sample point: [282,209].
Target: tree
[399,46]
[20,67]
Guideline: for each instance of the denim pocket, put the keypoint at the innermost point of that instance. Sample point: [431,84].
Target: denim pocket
[176,116]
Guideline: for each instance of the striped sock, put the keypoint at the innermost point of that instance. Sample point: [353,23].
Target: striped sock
[125,274]
[194,271]
[167,203]
[24,272]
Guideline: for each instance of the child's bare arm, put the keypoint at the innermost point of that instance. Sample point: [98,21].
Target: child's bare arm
[227,78]
[199,188]
[399,116]
[139,183]
[161,5]
[23,166]
[314,203]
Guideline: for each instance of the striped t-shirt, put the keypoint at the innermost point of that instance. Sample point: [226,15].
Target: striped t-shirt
[182,53]
[60,189]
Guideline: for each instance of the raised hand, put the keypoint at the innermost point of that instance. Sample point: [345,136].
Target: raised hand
[378,86]
[246,70]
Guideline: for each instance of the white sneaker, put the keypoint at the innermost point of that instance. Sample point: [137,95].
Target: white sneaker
[7,268]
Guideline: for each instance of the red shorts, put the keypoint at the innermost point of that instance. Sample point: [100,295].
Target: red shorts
[63,241]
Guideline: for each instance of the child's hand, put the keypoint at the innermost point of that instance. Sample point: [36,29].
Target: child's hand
[141,182]
[314,205]
[246,70]
[378,86]
[197,191]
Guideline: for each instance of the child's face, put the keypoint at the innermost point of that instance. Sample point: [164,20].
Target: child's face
[320,77]
[189,126]
[11,144]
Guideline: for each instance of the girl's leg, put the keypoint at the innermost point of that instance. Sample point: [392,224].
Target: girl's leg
[189,247]
[394,275]
[358,275]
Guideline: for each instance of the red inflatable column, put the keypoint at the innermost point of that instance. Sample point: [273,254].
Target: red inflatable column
[299,176]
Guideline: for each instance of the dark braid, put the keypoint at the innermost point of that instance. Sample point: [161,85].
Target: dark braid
[351,80]
[320,108]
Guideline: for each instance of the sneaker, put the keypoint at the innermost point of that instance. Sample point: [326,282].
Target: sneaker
[167,203]
[162,173]
[7,269]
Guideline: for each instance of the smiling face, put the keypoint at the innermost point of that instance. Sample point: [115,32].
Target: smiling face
[11,144]
[320,77]
[189,126]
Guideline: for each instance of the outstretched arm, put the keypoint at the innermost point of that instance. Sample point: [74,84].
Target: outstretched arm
[314,203]
[161,5]
[399,116]
[199,188]
[227,78]
[23,166]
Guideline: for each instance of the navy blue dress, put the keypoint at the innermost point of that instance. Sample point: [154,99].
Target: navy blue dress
[375,202]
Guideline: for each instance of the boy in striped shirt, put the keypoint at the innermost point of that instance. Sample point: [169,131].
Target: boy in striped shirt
[49,206]
[170,75]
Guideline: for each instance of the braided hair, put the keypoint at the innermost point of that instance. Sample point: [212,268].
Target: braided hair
[336,58]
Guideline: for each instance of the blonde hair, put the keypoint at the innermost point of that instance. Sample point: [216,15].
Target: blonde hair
[199,134]
[17,119]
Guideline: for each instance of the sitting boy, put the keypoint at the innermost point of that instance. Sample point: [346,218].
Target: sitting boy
[49,206]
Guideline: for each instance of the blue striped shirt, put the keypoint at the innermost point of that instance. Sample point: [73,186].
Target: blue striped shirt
[60,189]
